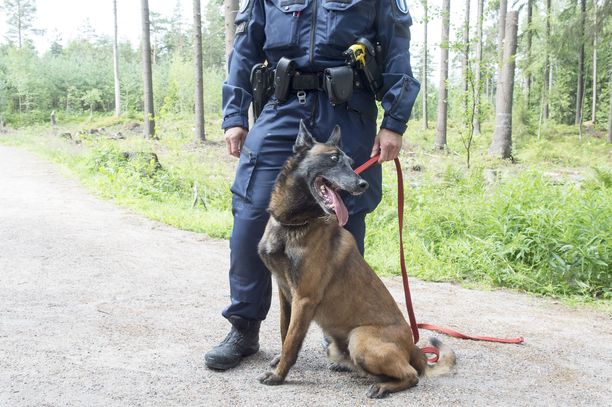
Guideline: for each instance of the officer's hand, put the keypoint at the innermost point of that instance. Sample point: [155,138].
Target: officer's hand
[234,140]
[388,144]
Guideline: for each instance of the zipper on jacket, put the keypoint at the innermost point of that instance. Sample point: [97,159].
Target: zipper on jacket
[313,27]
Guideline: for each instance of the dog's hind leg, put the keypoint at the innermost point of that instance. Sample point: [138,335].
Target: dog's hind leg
[383,359]
[302,312]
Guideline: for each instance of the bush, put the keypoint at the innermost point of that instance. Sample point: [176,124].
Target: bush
[526,233]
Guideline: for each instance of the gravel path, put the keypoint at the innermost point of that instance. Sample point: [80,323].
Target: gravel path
[102,307]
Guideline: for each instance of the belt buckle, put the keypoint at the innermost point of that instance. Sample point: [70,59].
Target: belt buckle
[301,95]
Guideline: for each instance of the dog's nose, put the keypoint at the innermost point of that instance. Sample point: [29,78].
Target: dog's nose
[363,185]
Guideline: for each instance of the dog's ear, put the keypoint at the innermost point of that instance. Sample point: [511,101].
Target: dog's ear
[335,139]
[304,138]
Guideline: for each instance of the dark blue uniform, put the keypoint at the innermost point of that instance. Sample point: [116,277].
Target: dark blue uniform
[314,33]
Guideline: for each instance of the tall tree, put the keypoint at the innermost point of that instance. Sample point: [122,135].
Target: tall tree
[480,13]
[440,142]
[594,86]
[425,68]
[465,62]
[116,64]
[503,7]
[501,146]
[149,112]
[547,83]
[231,9]
[610,112]
[20,14]
[529,41]
[200,133]
[580,79]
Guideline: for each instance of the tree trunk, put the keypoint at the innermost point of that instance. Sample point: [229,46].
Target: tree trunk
[547,82]
[200,133]
[440,142]
[116,64]
[19,24]
[478,67]
[424,79]
[529,41]
[501,145]
[580,85]
[594,105]
[610,112]
[503,7]
[465,63]
[149,112]
[231,9]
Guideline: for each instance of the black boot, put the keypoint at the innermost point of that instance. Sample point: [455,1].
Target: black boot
[242,340]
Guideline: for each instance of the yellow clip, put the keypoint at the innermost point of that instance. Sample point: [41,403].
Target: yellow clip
[359,51]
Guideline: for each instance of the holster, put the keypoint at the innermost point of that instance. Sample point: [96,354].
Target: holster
[263,87]
[338,84]
[285,70]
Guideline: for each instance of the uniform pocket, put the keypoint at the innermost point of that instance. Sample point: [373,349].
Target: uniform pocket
[347,20]
[282,18]
[244,172]
[363,104]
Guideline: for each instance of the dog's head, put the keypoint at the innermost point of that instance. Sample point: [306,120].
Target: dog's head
[327,170]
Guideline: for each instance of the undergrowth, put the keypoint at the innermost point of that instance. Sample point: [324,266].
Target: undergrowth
[525,229]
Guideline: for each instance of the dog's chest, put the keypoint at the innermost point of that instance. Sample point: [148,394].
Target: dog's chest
[283,254]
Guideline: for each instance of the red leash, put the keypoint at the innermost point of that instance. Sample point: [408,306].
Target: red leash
[413,324]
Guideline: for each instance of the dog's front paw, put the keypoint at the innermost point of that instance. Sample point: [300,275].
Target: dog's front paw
[377,391]
[271,379]
[275,361]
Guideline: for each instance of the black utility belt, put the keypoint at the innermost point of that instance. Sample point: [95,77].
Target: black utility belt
[337,82]
[308,81]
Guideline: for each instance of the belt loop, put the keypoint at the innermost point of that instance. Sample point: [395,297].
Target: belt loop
[301,95]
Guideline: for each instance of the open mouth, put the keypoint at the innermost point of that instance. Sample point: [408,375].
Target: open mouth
[330,200]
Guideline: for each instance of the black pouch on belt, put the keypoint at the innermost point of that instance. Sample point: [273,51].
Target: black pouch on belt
[285,70]
[338,84]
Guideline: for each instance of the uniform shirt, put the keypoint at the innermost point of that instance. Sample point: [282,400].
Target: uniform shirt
[315,33]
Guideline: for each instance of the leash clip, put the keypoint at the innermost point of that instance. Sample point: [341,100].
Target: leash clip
[301,95]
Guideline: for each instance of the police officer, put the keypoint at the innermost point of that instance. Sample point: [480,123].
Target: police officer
[314,34]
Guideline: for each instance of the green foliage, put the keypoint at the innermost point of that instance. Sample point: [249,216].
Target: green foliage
[525,233]
[542,228]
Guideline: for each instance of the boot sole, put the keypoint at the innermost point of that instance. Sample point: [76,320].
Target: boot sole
[219,365]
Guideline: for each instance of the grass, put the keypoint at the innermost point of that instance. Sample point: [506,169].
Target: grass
[541,224]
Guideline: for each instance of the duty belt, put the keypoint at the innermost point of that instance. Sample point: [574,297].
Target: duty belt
[307,81]
[314,81]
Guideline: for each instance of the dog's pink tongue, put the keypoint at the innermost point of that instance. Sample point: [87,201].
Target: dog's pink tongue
[339,208]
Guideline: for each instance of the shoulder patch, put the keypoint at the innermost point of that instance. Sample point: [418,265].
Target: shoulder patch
[243,5]
[402,6]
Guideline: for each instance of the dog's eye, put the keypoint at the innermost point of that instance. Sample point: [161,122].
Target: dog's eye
[335,157]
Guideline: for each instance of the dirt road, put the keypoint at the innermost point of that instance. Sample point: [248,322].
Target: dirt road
[102,307]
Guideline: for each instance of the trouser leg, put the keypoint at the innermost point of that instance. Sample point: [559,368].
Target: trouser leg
[357,226]
[250,280]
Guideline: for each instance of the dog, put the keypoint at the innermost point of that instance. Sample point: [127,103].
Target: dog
[322,277]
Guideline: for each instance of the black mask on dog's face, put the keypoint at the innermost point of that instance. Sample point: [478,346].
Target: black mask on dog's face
[327,170]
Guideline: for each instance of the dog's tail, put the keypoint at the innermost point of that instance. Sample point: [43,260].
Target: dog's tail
[446,361]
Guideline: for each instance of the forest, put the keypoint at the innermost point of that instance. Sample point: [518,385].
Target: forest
[507,155]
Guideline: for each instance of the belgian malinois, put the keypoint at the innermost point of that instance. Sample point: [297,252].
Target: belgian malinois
[322,276]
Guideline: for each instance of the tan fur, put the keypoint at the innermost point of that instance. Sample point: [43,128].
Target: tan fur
[322,277]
